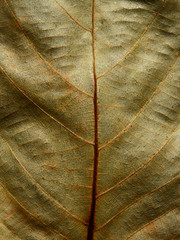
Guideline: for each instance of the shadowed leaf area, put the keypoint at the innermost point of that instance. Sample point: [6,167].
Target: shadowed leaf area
[89,119]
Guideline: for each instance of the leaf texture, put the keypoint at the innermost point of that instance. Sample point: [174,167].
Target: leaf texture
[89,119]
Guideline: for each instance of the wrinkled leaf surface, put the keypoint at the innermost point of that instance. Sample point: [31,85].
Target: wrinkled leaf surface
[89,119]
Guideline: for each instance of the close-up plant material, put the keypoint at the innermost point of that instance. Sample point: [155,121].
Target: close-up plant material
[89,119]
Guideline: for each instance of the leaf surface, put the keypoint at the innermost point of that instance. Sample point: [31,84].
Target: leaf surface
[89,119]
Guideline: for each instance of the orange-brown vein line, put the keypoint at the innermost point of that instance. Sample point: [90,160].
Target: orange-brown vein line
[136,43]
[137,200]
[40,55]
[42,189]
[137,115]
[57,121]
[72,17]
[42,223]
[4,226]
[142,167]
[153,221]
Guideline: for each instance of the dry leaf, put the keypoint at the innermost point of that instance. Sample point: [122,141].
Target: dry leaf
[89,114]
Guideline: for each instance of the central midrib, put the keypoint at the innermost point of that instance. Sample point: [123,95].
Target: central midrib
[96,140]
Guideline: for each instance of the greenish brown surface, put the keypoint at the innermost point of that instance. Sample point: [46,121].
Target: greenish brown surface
[89,119]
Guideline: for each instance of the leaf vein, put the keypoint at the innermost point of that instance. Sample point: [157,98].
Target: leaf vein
[136,43]
[89,30]
[143,107]
[143,166]
[153,221]
[43,190]
[40,55]
[137,200]
[49,115]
